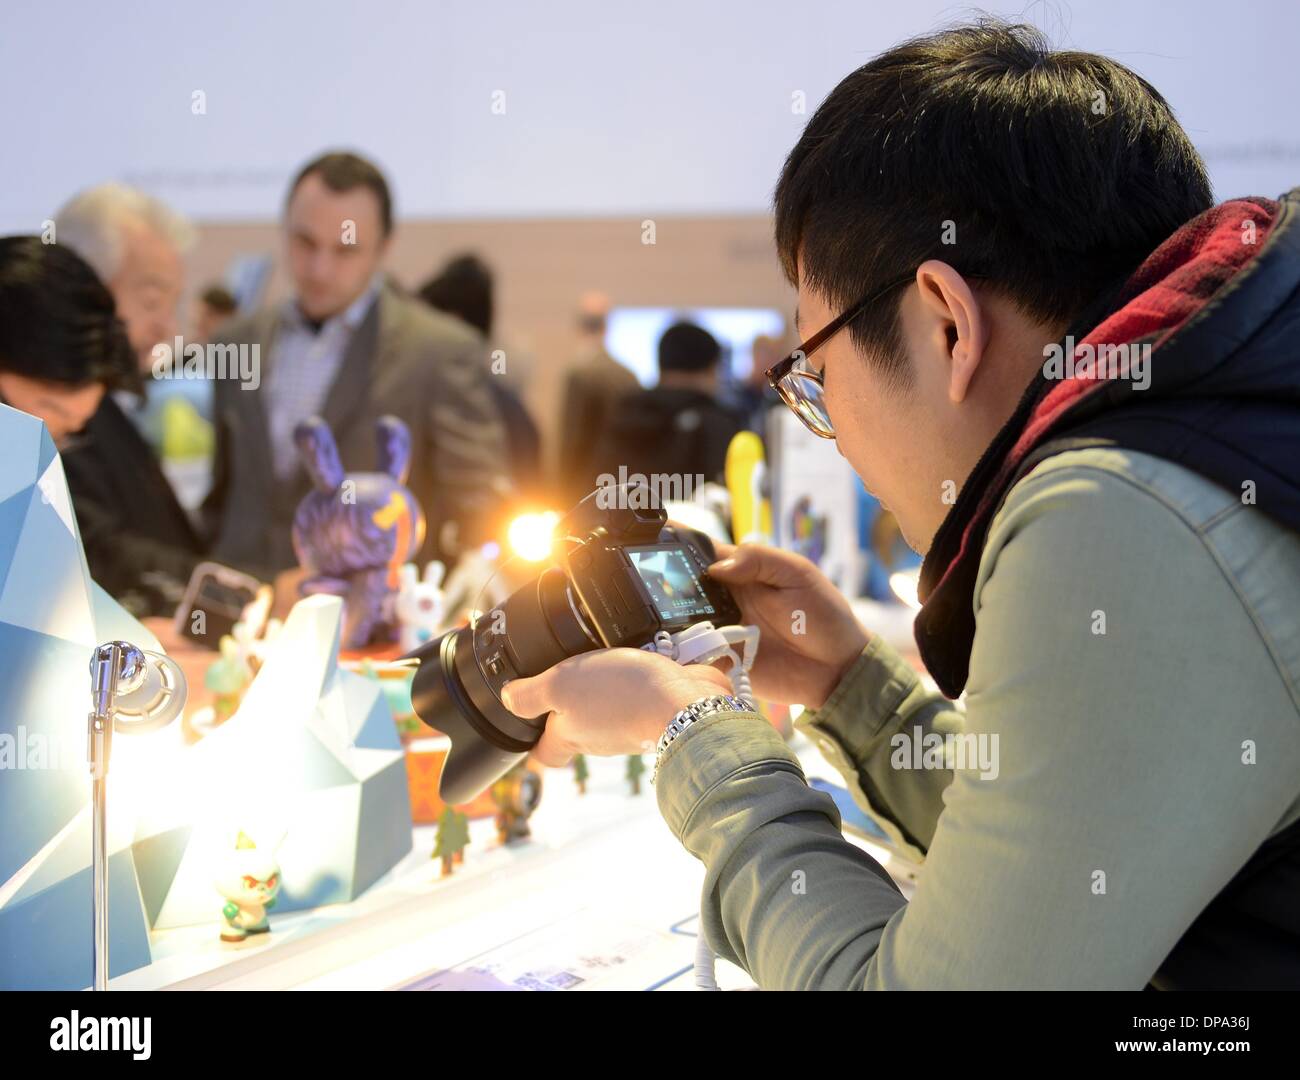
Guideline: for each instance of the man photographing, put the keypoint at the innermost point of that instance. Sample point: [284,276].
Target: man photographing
[1112,571]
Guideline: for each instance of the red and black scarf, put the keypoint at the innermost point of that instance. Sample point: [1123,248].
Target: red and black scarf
[1181,278]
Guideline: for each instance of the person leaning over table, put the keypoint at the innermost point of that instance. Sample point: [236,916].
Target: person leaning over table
[1112,566]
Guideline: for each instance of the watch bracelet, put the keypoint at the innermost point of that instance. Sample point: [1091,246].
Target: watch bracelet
[688,717]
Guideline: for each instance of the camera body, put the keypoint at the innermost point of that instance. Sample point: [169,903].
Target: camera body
[627,574]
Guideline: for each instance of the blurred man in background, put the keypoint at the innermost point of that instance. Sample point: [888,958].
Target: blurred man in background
[464,288]
[350,348]
[214,305]
[679,427]
[592,389]
[752,396]
[140,544]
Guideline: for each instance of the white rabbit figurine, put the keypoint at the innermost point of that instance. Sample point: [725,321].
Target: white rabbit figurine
[420,606]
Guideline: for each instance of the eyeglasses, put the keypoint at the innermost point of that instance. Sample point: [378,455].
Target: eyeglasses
[800,387]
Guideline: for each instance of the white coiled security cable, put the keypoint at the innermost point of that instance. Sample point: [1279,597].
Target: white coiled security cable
[704,643]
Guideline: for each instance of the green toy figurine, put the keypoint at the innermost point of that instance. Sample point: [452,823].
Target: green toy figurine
[635,767]
[250,882]
[452,838]
[580,773]
[227,678]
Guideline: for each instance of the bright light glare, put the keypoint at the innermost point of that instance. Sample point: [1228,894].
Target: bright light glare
[904,584]
[530,535]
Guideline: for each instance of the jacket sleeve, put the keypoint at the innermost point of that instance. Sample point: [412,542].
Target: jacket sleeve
[146,575]
[880,707]
[1099,801]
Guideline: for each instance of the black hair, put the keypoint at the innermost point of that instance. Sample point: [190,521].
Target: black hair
[687,347]
[219,298]
[464,288]
[343,171]
[57,319]
[1054,172]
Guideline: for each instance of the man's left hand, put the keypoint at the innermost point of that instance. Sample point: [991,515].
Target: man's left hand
[609,702]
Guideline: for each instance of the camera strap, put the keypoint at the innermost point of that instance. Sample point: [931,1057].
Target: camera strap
[704,643]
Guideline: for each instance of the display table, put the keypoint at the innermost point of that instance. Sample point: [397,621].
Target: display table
[601,897]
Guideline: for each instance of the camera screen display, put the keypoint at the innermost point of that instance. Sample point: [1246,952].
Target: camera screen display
[670,578]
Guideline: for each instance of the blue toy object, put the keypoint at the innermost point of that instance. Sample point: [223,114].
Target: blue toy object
[353,531]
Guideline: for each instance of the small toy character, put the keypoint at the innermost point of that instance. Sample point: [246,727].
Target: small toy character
[516,795]
[452,838]
[250,882]
[807,530]
[580,773]
[419,605]
[256,631]
[227,678]
[354,531]
[635,770]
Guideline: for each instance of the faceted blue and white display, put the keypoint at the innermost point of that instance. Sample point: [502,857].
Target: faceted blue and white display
[51,618]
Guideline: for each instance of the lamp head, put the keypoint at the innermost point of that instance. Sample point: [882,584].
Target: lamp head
[148,690]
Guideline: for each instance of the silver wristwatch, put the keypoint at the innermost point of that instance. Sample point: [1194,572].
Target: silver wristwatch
[693,713]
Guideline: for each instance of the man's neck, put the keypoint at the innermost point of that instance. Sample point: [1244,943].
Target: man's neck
[315,322]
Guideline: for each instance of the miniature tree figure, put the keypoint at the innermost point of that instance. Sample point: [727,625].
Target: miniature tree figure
[462,836]
[451,838]
[580,773]
[635,768]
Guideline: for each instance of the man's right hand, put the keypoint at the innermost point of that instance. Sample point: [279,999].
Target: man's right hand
[810,637]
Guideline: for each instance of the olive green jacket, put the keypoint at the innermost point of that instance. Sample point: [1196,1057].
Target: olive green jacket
[1132,735]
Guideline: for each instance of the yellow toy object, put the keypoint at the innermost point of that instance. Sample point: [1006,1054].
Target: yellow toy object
[746,472]
[185,434]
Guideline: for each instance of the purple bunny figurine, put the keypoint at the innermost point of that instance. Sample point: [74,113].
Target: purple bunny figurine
[353,532]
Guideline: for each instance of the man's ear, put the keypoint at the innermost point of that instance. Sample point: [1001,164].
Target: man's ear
[949,299]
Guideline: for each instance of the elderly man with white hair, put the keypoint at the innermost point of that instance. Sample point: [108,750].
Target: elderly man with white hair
[135,244]
[140,544]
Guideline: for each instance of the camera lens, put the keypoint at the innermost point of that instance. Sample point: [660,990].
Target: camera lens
[533,630]
[539,625]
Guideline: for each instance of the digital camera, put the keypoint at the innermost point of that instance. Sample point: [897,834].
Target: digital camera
[625,575]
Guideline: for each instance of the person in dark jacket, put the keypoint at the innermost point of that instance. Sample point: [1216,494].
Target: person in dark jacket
[463,287]
[61,342]
[140,544]
[62,348]
[678,428]
[594,382]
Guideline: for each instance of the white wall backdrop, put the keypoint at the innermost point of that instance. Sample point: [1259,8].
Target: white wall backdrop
[661,106]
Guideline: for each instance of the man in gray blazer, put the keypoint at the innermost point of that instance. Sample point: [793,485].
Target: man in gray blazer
[349,347]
